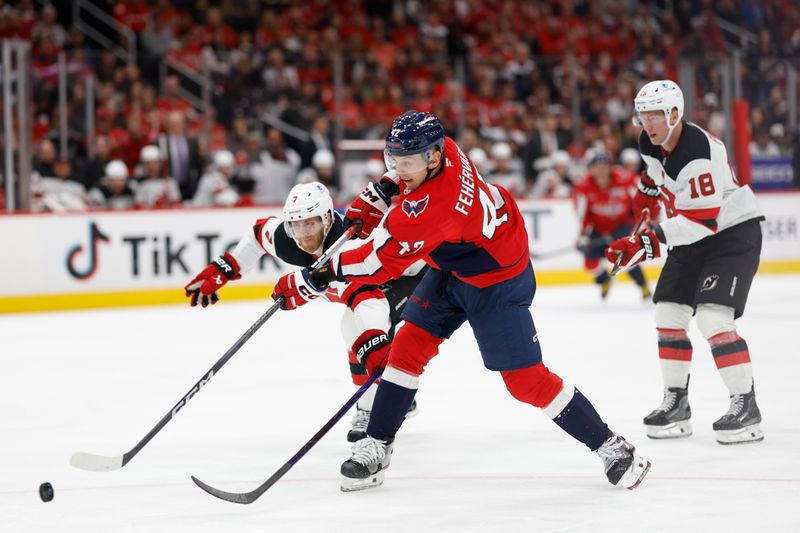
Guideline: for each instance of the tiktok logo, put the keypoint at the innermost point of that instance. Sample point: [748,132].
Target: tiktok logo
[95,235]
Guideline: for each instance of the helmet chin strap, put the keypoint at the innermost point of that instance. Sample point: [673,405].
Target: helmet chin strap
[671,128]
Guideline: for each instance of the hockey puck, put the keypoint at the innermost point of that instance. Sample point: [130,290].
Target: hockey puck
[46,491]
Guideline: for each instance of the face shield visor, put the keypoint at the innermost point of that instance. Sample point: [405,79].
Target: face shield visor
[303,229]
[649,118]
[405,164]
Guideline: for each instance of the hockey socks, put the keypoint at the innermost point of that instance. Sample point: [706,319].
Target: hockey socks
[732,358]
[675,356]
[562,402]
[578,418]
[394,396]
[637,275]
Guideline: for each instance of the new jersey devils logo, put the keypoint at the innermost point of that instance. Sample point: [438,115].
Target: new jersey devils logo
[414,208]
[709,283]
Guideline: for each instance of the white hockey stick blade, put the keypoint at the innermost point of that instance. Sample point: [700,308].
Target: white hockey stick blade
[95,463]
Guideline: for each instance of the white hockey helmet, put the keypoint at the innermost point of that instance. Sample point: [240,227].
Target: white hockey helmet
[560,158]
[630,156]
[659,95]
[223,158]
[375,167]
[322,159]
[478,156]
[501,151]
[306,201]
[116,170]
[151,152]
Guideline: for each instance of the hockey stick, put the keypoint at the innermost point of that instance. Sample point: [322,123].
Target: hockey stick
[566,249]
[618,263]
[253,495]
[105,463]
[554,253]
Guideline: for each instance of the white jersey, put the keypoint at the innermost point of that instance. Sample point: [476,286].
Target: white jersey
[215,189]
[269,235]
[62,195]
[698,187]
[157,192]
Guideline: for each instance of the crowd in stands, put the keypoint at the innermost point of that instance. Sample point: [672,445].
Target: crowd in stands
[525,66]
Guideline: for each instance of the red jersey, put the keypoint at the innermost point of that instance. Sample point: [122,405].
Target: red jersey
[604,210]
[454,221]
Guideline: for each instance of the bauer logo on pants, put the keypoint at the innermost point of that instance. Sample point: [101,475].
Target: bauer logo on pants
[709,283]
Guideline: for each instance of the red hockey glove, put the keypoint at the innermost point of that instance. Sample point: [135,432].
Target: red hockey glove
[646,197]
[205,285]
[372,349]
[372,204]
[634,249]
[296,289]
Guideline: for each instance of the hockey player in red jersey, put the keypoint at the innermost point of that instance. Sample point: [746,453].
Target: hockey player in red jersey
[472,235]
[308,226]
[714,240]
[603,203]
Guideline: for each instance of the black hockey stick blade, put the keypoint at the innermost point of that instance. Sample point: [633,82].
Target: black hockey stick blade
[253,495]
[105,463]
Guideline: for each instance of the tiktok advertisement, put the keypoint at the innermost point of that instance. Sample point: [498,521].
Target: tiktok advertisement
[77,257]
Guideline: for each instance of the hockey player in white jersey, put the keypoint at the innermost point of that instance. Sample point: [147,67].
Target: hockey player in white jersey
[214,188]
[309,225]
[713,235]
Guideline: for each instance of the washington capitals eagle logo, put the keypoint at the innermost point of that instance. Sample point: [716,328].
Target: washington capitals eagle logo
[414,208]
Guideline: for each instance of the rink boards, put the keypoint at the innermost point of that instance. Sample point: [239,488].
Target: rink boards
[110,259]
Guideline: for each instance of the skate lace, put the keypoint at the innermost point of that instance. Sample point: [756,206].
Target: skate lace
[737,403]
[368,451]
[612,450]
[361,420]
[669,400]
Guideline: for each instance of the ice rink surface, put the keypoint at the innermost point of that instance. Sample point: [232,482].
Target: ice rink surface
[473,460]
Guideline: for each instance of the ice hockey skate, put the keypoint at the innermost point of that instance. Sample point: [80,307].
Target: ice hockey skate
[671,419]
[365,468]
[624,467]
[605,287]
[360,422]
[742,423]
[647,296]
[358,429]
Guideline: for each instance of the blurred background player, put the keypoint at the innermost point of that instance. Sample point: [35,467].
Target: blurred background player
[506,170]
[61,191]
[156,190]
[215,187]
[473,236]
[480,159]
[603,203]
[713,233]
[556,181]
[631,161]
[114,190]
[323,170]
[309,225]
